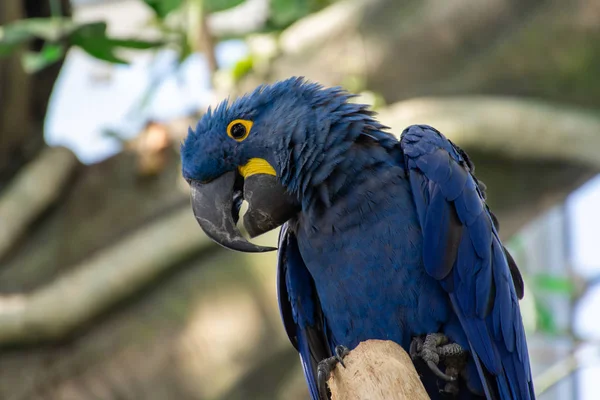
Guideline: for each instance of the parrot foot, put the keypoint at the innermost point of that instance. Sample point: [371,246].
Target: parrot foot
[432,350]
[326,367]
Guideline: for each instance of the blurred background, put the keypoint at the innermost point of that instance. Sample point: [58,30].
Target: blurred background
[109,290]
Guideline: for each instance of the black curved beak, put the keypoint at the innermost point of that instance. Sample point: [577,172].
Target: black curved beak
[269,205]
[216,206]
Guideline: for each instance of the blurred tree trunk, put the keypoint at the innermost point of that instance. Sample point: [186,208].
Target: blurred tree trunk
[208,326]
[23,97]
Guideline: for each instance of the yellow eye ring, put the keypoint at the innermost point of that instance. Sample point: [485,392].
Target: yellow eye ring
[239,129]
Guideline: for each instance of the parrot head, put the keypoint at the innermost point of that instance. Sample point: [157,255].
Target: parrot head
[260,148]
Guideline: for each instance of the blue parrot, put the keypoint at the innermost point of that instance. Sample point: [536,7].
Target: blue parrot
[381,238]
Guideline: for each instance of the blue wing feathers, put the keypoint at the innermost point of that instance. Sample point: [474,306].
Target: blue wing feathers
[307,367]
[419,189]
[462,280]
[480,233]
[434,241]
[457,182]
[468,203]
[285,307]
[483,286]
[300,309]
[289,312]
[478,335]
[470,262]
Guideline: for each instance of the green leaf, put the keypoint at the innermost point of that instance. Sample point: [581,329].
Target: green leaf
[136,44]
[212,6]
[552,283]
[50,53]
[285,12]
[163,7]
[546,322]
[93,40]
[242,68]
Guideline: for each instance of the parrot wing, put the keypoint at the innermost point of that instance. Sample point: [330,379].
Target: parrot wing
[462,250]
[300,309]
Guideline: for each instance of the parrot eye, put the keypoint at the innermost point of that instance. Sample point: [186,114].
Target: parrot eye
[239,129]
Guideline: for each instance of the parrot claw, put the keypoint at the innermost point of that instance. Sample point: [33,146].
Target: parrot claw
[326,367]
[436,347]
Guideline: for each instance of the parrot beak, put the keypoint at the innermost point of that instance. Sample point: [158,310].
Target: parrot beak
[216,206]
[269,206]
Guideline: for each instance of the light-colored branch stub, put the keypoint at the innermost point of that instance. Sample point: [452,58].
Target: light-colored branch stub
[377,370]
[53,311]
[35,188]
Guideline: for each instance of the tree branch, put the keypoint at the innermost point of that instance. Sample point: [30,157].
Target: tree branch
[54,311]
[35,188]
[377,370]
[514,127]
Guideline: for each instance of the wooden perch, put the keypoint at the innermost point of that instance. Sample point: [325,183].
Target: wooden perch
[377,370]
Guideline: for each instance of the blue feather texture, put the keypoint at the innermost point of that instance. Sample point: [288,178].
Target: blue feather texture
[483,295]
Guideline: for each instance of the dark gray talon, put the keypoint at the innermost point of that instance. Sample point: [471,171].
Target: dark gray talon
[416,346]
[341,352]
[433,367]
[324,370]
[326,367]
[435,348]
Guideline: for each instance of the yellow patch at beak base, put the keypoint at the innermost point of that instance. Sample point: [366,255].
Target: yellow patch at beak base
[256,166]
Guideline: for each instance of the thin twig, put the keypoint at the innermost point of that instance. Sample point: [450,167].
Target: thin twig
[564,368]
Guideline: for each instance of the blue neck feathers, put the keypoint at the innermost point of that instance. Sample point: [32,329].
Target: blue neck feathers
[325,157]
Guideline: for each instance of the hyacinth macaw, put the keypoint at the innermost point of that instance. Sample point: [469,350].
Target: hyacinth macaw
[381,238]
